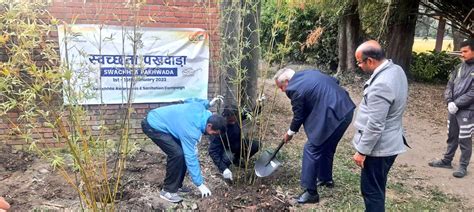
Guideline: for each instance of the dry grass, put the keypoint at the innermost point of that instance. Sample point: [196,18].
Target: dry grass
[313,38]
[423,45]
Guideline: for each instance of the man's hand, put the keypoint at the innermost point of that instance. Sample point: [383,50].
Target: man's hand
[216,99]
[452,108]
[359,159]
[287,137]
[227,174]
[205,192]
[4,206]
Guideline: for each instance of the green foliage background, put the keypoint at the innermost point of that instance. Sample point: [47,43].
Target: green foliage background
[285,28]
[432,66]
[280,18]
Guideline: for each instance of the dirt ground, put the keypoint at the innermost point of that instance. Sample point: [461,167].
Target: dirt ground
[30,183]
[425,126]
[426,130]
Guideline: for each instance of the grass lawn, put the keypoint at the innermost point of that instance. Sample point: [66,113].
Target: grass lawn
[422,45]
[402,194]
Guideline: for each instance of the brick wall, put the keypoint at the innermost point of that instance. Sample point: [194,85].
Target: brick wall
[155,13]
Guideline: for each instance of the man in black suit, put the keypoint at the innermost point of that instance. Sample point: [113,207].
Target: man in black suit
[325,109]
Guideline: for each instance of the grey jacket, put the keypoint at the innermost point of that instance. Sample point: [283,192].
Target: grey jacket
[459,89]
[379,116]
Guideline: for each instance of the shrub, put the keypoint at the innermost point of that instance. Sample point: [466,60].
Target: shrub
[432,66]
[279,20]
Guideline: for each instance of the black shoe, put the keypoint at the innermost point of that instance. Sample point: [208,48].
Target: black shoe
[308,198]
[460,173]
[184,189]
[440,164]
[329,184]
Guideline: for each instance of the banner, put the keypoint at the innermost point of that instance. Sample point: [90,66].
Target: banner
[110,63]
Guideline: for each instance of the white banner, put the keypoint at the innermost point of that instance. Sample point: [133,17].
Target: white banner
[158,64]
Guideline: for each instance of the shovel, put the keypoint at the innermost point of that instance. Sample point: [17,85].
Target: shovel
[267,163]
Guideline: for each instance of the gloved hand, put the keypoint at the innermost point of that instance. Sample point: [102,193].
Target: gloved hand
[227,174]
[452,108]
[205,192]
[261,99]
[215,99]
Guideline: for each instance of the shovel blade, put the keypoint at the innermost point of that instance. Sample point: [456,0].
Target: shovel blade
[264,166]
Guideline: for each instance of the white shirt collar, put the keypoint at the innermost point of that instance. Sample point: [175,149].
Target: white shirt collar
[385,62]
[378,69]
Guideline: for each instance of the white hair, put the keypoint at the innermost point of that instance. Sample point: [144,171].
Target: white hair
[284,74]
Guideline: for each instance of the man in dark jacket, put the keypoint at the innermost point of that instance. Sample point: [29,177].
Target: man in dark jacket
[325,109]
[459,96]
[229,148]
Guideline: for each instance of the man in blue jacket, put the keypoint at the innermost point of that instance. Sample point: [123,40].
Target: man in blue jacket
[325,109]
[177,129]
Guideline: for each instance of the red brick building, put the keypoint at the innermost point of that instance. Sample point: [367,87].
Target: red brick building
[202,14]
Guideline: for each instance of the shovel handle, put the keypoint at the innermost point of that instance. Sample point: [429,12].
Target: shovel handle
[276,151]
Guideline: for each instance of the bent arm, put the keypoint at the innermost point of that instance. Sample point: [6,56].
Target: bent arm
[378,102]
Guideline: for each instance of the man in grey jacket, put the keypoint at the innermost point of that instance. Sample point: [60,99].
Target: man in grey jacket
[379,133]
[459,96]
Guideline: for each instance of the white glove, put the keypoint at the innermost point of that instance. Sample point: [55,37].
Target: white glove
[227,174]
[215,99]
[452,108]
[261,98]
[205,192]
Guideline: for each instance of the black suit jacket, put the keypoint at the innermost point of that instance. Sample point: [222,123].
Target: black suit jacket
[318,103]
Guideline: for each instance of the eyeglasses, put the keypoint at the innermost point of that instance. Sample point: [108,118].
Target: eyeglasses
[363,61]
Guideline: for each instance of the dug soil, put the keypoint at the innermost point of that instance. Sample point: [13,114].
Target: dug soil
[29,183]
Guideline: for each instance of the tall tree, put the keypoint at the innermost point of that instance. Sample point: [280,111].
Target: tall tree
[230,38]
[440,34]
[460,13]
[348,37]
[251,49]
[401,31]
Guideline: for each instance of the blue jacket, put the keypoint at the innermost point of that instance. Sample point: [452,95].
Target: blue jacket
[186,122]
[319,103]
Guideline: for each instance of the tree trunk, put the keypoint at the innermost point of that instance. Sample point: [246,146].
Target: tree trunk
[401,32]
[342,48]
[230,20]
[251,52]
[348,39]
[440,34]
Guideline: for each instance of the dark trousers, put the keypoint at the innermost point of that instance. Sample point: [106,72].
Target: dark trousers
[238,154]
[318,160]
[373,181]
[175,164]
[460,128]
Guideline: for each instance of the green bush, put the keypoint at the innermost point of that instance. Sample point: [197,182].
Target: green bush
[432,66]
[281,19]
